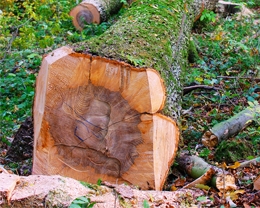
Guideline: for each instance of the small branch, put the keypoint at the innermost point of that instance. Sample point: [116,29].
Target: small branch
[234,77]
[249,162]
[230,127]
[14,35]
[187,90]
[9,46]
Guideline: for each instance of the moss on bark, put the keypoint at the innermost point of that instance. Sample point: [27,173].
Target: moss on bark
[152,34]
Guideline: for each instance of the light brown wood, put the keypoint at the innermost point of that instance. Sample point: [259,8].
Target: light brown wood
[84,13]
[7,185]
[95,118]
[93,11]
[57,191]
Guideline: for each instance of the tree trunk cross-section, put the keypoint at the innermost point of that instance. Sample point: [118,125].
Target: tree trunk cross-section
[110,116]
[94,125]
[93,11]
[100,121]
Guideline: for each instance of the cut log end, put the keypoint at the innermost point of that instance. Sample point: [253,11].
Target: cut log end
[83,14]
[97,118]
[209,139]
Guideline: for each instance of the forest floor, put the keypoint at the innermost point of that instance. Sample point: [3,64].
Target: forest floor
[228,51]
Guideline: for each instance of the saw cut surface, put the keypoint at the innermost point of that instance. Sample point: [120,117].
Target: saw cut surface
[98,128]
[96,118]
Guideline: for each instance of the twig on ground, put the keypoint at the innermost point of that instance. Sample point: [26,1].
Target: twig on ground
[249,162]
[187,90]
[234,77]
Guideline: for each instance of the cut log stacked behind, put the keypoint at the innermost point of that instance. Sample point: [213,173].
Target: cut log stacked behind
[93,11]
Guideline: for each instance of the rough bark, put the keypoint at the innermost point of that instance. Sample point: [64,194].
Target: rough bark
[101,116]
[93,11]
[56,191]
[230,127]
[39,191]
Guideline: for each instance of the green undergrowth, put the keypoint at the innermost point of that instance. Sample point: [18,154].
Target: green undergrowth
[234,150]
[229,62]
[28,31]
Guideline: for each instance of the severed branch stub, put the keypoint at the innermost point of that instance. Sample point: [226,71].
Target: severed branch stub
[204,179]
[230,127]
[197,168]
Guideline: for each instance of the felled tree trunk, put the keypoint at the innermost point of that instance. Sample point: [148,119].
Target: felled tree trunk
[110,115]
[93,11]
[55,191]
[230,127]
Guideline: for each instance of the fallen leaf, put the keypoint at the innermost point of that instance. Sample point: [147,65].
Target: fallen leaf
[218,36]
[202,186]
[151,199]
[230,202]
[234,195]
[235,166]
[202,198]
[223,165]
[173,188]
[225,182]
[246,205]
[257,183]
[179,182]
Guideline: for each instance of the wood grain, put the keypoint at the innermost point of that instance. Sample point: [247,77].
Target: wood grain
[99,120]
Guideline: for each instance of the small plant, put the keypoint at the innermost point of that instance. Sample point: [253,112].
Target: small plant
[82,202]
[204,152]
[208,16]
[99,182]
[124,2]
[146,204]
